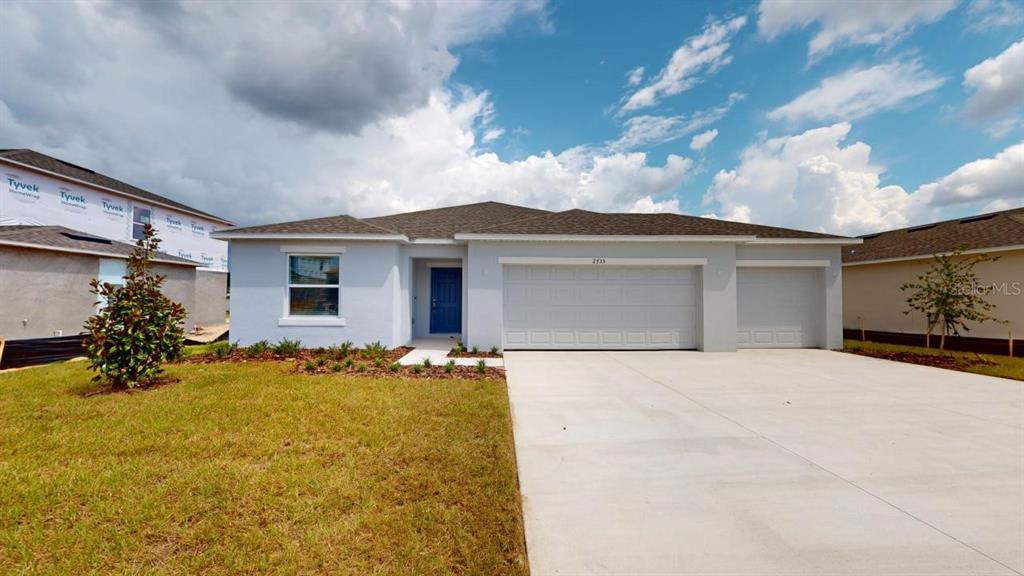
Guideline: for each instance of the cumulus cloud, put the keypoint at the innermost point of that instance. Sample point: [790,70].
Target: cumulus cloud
[844,23]
[701,141]
[635,76]
[860,92]
[985,15]
[997,85]
[699,56]
[813,181]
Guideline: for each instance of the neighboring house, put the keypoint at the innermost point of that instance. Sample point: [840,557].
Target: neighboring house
[45,273]
[874,271]
[493,274]
[45,191]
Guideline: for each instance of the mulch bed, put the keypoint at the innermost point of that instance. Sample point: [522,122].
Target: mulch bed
[240,355]
[479,354]
[946,361]
[405,372]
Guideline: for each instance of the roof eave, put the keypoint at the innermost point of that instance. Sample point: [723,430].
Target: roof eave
[827,241]
[602,238]
[98,253]
[228,235]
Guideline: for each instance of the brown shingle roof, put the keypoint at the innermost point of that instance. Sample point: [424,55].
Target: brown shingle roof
[63,239]
[586,223]
[991,230]
[330,225]
[56,166]
[445,222]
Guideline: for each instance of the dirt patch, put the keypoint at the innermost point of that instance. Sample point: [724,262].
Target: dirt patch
[947,361]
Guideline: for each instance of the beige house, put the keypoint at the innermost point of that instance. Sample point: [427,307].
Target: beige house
[874,271]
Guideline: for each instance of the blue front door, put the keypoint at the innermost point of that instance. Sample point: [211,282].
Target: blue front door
[445,300]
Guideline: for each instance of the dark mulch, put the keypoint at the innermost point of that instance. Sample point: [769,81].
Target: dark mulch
[947,361]
[240,355]
[468,354]
[411,372]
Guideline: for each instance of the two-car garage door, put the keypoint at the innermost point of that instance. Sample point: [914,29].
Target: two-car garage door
[600,307]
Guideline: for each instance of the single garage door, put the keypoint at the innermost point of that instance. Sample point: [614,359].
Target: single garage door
[778,307]
[600,307]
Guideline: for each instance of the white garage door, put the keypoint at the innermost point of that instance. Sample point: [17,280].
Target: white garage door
[600,307]
[778,307]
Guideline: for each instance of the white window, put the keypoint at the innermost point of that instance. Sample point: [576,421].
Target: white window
[112,271]
[140,217]
[314,285]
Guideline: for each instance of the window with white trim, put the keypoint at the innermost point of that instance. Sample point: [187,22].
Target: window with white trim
[140,217]
[111,271]
[314,285]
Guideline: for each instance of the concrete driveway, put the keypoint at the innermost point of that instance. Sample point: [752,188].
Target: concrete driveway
[765,462]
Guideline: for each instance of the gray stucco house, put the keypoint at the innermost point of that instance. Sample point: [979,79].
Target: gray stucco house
[494,274]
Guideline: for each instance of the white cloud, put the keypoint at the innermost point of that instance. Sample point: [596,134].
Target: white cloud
[860,92]
[701,141]
[812,181]
[997,84]
[699,56]
[648,205]
[985,15]
[492,134]
[635,76]
[182,132]
[651,130]
[843,23]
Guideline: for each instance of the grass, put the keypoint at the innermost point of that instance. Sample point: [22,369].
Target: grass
[254,469]
[1003,366]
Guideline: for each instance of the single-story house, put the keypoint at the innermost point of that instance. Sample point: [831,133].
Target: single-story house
[493,274]
[874,271]
[45,273]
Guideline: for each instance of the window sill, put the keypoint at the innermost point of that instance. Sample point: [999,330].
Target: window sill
[311,321]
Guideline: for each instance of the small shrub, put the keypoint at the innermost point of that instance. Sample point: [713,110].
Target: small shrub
[138,328]
[361,367]
[427,363]
[375,350]
[349,362]
[481,366]
[458,348]
[310,366]
[288,347]
[449,366]
[377,363]
[222,349]
[494,350]
[416,368]
[321,361]
[335,367]
[476,350]
[257,349]
[395,367]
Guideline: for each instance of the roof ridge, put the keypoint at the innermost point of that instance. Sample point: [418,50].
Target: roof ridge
[545,215]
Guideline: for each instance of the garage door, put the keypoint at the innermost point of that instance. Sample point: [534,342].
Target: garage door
[778,307]
[599,307]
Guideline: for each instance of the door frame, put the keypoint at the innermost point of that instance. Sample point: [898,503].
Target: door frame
[458,300]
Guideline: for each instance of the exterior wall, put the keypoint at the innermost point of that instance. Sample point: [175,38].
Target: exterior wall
[718,292]
[421,293]
[872,294]
[832,278]
[211,289]
[44,291]
[29,197]
[412,321]
[371,293]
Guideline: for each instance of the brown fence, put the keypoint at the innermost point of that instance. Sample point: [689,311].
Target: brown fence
[963,343]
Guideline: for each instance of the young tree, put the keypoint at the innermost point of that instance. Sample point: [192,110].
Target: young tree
[949,296]
[138,328]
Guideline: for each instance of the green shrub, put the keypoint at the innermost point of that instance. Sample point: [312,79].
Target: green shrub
[449,366]
[287,347]
[223,349]
[481,366]
[341,351]
[257,349]
[427,363]
[310,366]
[476,350]
[321,361]
[458,348]
[335,367]
[138,328]
[377,363]
[494,350]
[348,362]
[395,367]
[361,367]
[416,368]
[375,350]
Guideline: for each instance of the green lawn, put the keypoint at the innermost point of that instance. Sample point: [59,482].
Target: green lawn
[252,469]
[1004,366]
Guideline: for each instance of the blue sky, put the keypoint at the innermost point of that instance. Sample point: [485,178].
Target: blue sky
[834,116]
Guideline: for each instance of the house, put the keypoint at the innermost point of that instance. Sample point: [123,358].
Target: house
[874,271]
[61,198]
[45,273]
[494,274]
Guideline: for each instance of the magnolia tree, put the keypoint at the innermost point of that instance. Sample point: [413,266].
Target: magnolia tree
[949,296]
[138,328]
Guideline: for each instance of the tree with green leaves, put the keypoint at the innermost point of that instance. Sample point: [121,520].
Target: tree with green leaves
[949,294]
[137,328]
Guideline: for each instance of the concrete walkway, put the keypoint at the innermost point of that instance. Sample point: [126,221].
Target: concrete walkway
[766,462]
[437,350]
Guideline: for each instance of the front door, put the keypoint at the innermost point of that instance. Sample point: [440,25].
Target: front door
[445,300]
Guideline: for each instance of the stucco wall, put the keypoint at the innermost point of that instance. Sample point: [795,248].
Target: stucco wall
[51,291]
[211,300]
[371,293]
[872,293]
